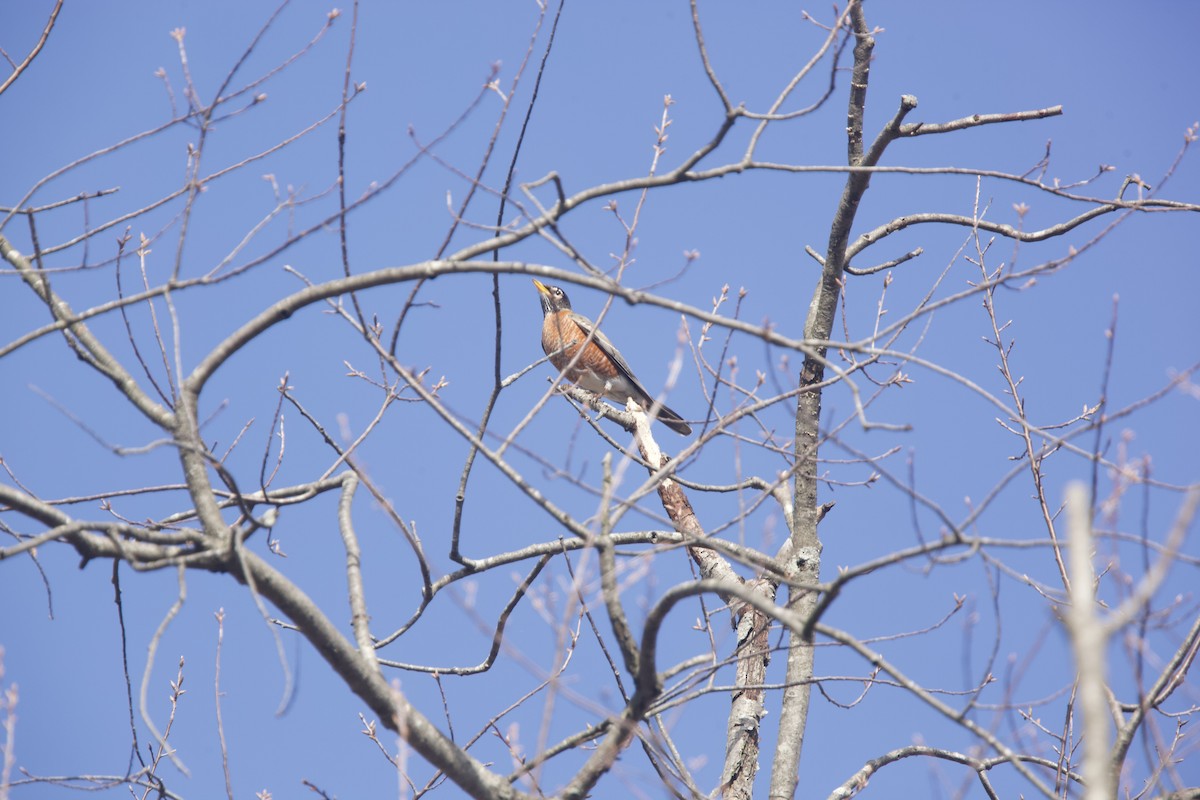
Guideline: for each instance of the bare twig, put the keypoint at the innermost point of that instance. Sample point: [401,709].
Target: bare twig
[37,48]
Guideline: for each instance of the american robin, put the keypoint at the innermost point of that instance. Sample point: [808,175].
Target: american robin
[601,368]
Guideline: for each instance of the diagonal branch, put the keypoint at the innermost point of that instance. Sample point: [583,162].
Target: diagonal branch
[37,48]
[975,120]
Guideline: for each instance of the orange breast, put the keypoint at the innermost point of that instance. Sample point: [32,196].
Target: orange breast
[562,339]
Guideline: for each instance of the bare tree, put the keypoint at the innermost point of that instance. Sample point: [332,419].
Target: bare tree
[673,609]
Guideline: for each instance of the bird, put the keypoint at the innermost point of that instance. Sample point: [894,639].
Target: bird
[601,368]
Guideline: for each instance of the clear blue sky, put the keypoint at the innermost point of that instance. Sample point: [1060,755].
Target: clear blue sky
[1125,74]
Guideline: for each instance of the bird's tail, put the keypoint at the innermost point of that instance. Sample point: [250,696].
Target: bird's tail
[673,421]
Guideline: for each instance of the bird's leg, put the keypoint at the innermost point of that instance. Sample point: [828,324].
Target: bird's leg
[580,394]
[596,400]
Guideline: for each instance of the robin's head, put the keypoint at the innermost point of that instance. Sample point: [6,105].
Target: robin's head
[553,298]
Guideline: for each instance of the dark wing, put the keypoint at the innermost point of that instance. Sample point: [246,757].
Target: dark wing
[603,342]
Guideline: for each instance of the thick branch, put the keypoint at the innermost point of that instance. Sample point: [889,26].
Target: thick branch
[608,578]
[747,706]
[359,618]
[805,564]
[1088,640]
[364,679]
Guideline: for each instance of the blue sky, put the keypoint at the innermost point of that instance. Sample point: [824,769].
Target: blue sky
[1123,72]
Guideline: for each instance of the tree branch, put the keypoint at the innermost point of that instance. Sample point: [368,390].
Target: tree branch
[975,120]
